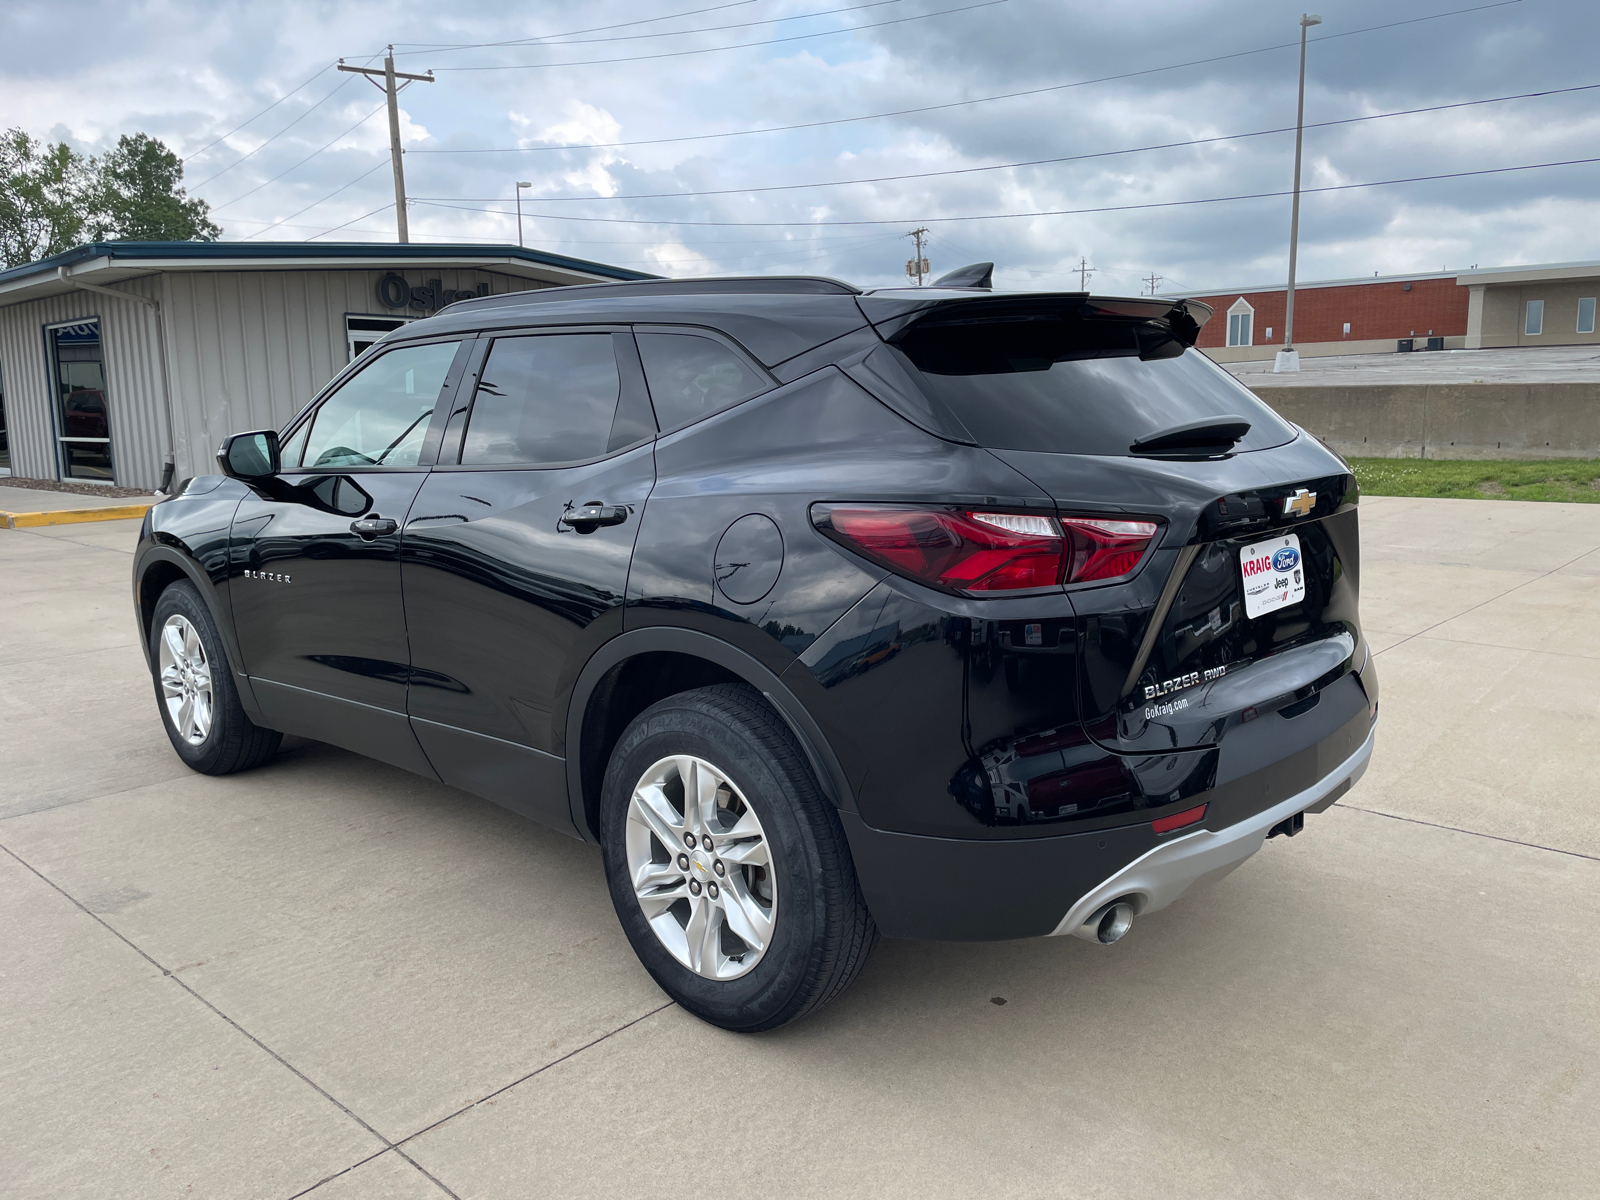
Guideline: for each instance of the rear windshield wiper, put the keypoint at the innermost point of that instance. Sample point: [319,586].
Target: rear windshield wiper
[1215,435]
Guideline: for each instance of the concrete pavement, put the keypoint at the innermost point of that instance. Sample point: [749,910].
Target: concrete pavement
[329,976]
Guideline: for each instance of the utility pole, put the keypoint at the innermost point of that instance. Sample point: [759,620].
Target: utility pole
[1154,281]
[1289,358]
[520,186]
[388,87]
[918,267]
[1084,271]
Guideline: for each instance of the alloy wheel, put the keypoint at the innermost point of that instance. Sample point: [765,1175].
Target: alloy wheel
[701,867]
[185,679]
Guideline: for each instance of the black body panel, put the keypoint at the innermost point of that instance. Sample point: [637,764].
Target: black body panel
[951,890]
[186,536]
[318,605]
[818,438]
[505,605]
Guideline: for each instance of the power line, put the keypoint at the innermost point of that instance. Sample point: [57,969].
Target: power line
[273,138]
[448,47]
[803,250]
[262,113]
[1040,162]
[634,37]
[798,37]
[352,221]
[853,237]
[904,112]
[324,200]
[303,161]
[1060,212]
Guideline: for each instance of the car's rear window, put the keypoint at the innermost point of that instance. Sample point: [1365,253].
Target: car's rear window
[1070,386]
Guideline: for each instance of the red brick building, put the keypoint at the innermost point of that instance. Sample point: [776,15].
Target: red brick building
[1345,316]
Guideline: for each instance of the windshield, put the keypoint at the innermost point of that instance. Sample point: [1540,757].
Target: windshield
[1069,386]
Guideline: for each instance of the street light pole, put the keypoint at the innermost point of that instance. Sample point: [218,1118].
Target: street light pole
[1289,358]
[520,186]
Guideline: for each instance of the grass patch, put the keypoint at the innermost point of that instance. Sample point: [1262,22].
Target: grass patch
[1567,479]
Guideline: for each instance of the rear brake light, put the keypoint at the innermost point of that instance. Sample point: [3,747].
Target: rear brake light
[1179,820]
[959,551]
[1103,549]
[985,552]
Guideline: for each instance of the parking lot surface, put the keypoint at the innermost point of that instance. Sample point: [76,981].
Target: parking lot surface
[1519,364]
[329,976]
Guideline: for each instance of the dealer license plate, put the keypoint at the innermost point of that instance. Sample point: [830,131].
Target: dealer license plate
[1274,576]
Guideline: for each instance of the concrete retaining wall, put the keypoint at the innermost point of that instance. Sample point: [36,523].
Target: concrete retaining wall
[1448,420]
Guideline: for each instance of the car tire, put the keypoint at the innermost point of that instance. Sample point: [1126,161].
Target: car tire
[211,732]
[771,848]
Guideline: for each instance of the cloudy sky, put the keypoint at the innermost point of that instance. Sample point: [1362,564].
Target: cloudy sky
[690,137]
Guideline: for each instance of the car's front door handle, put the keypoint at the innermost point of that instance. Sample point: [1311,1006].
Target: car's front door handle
[371,527]
[591,516]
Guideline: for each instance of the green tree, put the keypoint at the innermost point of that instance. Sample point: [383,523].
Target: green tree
[140,198]
[52,198]
[44,198]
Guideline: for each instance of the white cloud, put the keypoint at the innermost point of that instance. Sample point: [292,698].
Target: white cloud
[188,72]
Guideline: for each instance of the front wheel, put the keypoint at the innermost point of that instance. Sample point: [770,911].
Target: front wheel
[728,868]
[195,690]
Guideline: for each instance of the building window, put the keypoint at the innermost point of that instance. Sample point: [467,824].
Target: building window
[1347,329]
[1241,319]
[360,332]
[1586,315]
[1533,326]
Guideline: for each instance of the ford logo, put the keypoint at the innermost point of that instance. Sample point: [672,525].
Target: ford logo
[1285,559]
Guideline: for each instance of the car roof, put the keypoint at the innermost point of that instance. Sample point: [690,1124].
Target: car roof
[774,317]
[774,325]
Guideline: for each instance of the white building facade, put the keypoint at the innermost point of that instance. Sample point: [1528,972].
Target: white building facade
[119,358]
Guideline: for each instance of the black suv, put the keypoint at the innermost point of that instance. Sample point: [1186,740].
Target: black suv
[943,612]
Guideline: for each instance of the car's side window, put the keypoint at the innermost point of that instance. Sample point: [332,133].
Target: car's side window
[544,399]
[692,376]
[380,416]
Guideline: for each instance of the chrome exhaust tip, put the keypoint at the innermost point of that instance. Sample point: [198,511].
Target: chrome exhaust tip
[1108,924]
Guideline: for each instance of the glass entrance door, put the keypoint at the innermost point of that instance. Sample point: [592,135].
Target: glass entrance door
[5,444]
[83,426]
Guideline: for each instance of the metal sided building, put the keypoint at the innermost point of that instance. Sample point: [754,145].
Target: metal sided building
[117,358]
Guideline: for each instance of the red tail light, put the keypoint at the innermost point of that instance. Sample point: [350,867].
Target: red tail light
[1105,549]
[986,553]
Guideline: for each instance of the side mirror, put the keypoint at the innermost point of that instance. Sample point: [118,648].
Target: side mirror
[250,456]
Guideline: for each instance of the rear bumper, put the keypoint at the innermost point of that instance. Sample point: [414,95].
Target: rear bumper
[1199,859]
[954,889]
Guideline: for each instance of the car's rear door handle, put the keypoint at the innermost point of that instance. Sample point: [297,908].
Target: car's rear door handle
[371,527]
[591,516]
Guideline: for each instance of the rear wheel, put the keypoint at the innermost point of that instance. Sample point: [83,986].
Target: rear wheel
[728,868]
[195,690]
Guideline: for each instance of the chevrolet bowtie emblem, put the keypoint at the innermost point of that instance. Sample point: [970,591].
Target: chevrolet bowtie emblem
[1299,504]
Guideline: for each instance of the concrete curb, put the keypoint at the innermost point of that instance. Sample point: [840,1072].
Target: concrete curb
[72,516]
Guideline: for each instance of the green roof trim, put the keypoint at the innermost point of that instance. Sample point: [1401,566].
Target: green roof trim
[131,253]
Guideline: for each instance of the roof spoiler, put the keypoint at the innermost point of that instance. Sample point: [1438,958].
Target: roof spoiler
[892,315]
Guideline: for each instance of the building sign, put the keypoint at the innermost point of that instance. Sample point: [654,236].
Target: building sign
[395,292]
[82,334]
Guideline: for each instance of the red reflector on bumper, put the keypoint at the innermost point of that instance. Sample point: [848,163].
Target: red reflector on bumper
[1179,820]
